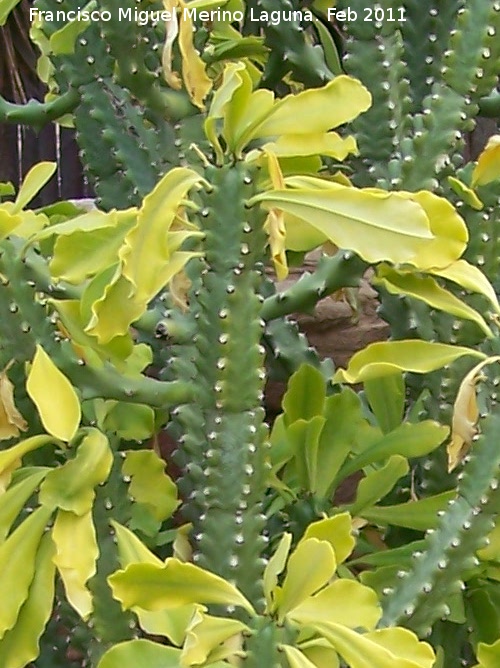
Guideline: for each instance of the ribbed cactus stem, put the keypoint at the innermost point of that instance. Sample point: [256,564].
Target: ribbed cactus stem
[224,441]
[421,595]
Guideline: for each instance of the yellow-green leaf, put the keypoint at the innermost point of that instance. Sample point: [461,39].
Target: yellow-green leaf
[378,483]
[465,414]
[329,144]
[274,568]
[53,395]
[196,81]
[386,648]
[344,602]
[295,658]
[321,653]
[131,422]
[204,634]
[426,289]
[368,223]
[488,164]
[469,277]
[34,181]
[150,484]
[466,193]
[337,531]
[11,420]
[146,250]
[13,500]
[172,585]
[19,646]
[71,486]
[448,227]
[334,104]
[10,459]
[76,554]
[140,654]
[386,357]
[309,568]
[169,623]
[17,565]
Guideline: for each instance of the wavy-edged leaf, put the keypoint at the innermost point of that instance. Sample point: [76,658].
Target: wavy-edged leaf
[329,144]
[305,395]
[20,645]
[387,357]
[172,585]
[150,484]
[71,486]
[76,555]
[367,222]
[205,634]
[419,515]
[337,531]
[54,396]
[385,648]
[10,459]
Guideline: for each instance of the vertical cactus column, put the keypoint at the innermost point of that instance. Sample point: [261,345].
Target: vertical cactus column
[223,435]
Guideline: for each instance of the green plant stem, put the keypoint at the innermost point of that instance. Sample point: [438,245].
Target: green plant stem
[37,114]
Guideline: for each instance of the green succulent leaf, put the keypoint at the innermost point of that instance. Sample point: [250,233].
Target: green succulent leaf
[419,515]
[150,485]
[387,357]
[13,500]
[386,397]
[337,531]
[305,395]
[377,484]
[71,486]
[172,585]
[34,181]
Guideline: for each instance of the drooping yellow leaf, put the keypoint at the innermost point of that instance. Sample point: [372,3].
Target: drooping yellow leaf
[295,658]
[309,568]
[149,483]
[469,277]
[329,144]
[345,602]
[17,565]
[465,414]
[387,357]
[337,531]
[386,648]
[11,420]
[10,459]
[71,486]
[54,396]
[205,634]
[196,81]
[316,110]
[172,31]
[426,289]
[274,568]
[140,654]
[173,585]
[448,227]
[19,646]
[76,554]
[369,223]
[274,225]
[488,164]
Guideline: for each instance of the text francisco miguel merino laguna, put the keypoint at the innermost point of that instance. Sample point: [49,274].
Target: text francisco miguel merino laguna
[143,17]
